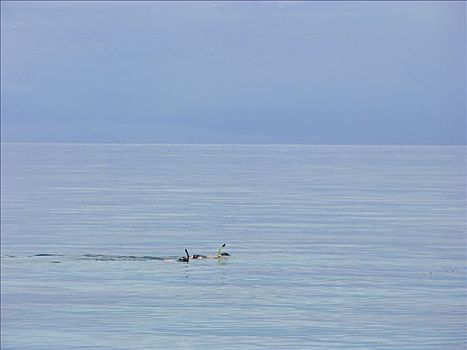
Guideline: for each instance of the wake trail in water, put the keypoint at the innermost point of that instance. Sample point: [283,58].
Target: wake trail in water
[95,257]
[102,257]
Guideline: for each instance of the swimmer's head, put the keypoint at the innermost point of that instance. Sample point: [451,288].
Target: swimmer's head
[185,258]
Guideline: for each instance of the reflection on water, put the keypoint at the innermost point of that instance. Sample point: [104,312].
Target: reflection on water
[333,247]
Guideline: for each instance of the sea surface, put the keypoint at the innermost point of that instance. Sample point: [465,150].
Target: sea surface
[332,247]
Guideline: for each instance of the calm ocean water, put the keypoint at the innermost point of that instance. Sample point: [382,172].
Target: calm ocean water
[333,247]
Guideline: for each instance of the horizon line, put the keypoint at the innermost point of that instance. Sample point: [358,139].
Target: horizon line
[230,144]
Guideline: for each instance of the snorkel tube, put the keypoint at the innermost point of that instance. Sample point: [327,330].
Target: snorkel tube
[185,258]
[220,253]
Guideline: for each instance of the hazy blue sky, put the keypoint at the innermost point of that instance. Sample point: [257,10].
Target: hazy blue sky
[234,72]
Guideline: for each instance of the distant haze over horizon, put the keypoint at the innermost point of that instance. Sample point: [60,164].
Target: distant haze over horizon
[329,73]
[226,144]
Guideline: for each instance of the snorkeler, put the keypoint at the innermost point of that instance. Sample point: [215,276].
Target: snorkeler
[185,258]
[220,254]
